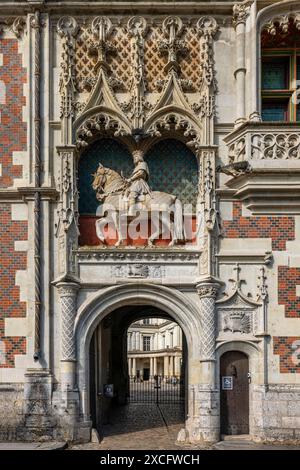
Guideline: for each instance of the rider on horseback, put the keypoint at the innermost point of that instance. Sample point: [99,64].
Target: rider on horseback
[138,187]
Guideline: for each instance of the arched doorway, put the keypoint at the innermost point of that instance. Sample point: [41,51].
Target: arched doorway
[138,374]
[234,386]
[101,305]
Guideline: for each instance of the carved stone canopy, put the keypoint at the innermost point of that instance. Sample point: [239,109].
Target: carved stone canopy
[166,69]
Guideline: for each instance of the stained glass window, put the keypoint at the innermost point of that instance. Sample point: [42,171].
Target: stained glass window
[173,169]
[111,154]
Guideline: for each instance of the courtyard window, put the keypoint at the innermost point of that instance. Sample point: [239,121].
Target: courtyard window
[146,343]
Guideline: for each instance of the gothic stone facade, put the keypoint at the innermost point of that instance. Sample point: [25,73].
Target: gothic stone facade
[138,74]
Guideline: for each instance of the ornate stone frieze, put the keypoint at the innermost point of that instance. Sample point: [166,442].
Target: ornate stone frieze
[137,271]
[275,146]
[137,256]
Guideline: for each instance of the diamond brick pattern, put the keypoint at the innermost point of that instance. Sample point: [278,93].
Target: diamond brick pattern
[280,229]
[154,63]
[288,348]
[120,61]
[288,279]
[10,262]
[84,64]
[12,127]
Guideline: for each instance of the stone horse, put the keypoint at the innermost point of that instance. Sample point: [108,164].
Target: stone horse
[110,188]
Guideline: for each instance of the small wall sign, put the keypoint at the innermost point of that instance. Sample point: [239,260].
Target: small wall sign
[227,382]
[108,390]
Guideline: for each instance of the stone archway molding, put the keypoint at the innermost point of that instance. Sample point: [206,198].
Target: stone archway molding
[103,302]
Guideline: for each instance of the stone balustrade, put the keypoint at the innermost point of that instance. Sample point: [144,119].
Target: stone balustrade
[264,141]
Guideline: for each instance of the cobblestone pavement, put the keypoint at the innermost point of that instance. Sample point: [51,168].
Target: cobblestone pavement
[141,427]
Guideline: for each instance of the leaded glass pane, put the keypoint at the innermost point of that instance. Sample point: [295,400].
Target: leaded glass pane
[174,170]
[274,111]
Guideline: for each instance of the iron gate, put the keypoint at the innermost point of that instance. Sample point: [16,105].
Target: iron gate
[157,389]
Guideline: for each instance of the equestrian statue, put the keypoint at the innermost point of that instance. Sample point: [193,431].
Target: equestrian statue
[120,196]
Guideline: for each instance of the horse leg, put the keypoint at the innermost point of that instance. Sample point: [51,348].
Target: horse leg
[119,230]
[174,240]
[99,228]
[153,236]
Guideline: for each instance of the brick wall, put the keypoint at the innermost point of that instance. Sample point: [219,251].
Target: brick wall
[280,229]
[288,279]
[10,262]
[288,348]
[12,139]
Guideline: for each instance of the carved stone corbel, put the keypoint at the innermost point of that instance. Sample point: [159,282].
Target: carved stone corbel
[240,13]
[19,26]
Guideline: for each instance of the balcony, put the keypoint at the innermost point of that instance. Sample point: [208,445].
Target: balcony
[270,183]
[265,143]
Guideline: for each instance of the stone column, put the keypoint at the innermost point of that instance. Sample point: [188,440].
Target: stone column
[151,366]
[155,366]
[177,366]
[133,366]
[129,366]
[171,366]
[207,395]
[68,298]
[240,14]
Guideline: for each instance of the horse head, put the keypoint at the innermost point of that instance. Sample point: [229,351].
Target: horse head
[99,178]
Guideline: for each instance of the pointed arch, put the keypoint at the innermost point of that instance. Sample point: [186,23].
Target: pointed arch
[100,120]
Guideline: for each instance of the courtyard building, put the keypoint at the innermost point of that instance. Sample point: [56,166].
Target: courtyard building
[154,349]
